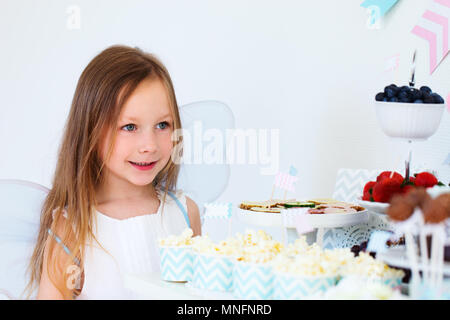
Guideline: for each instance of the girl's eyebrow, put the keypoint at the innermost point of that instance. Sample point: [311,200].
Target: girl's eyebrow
[168,115]
[128,119]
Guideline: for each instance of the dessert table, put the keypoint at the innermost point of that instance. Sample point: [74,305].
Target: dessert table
[150,286]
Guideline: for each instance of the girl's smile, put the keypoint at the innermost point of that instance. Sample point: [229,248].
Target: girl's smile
[142,165]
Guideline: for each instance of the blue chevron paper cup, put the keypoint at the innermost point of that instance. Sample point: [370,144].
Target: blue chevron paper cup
[176,263]
[253,281]
[213,272]
[297,287]
[392,282]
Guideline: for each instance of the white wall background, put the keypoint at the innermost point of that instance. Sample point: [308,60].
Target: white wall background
[309,68]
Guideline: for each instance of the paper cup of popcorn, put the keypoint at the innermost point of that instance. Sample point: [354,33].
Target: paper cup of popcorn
[253,281]
[212,272]
[296,287]
[370,270]
[176,257]
[392,281]
[176,263]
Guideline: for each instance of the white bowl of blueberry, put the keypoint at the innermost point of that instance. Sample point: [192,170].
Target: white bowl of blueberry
[409,113]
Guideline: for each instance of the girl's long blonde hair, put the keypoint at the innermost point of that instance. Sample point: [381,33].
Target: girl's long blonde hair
[104,86]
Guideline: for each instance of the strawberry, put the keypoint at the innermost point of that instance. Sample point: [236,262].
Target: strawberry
[385,189]
[426,180]
[387,174]
[367,193]
[406,188]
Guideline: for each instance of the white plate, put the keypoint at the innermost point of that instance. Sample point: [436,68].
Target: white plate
[378,207]
[327,220]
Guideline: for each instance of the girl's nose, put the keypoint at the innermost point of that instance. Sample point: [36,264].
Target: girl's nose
[148,143]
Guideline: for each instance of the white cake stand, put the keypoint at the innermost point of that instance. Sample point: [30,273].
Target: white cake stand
[409,122]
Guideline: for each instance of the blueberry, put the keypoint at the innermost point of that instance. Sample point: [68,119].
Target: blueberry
[385,99]
[393,85]
[418,101]
[437,98]
[393,99]
[363,246]
[389,92]
[402,95]
[415,94]
[404,100]
[425,89]
[379,96]
[428,98]
[355,250]
[394,88]
[404,88]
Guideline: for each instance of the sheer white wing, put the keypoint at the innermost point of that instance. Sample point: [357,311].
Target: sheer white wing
[204,172]
[21,203]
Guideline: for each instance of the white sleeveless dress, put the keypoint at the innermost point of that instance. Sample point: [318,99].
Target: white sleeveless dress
[132,245]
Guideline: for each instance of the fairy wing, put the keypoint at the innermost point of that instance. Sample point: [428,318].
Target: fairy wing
[21,203]
[204,171]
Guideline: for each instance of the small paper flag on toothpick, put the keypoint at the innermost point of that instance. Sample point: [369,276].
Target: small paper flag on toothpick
[218,210]
[392,63]
[285,181]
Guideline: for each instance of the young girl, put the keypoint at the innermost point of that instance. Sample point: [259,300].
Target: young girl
[113,191]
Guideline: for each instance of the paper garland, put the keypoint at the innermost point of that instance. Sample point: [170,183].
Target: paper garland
[378,9]
[433,26]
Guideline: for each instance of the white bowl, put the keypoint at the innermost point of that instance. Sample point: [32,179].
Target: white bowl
[377,207]
[415,121]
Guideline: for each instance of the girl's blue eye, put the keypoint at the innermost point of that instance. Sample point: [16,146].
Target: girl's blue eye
[129,127]
[163,125]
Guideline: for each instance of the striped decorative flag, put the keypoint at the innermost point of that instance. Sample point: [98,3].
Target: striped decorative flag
[218,210]
[286,181]
[392,63]
[433,26]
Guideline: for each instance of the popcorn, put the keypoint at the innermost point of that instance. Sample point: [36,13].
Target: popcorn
[365,265]
[185,239]
[299,246]
[202,244]
[257,247]
[310,260]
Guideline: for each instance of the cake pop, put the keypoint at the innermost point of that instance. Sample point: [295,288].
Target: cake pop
[437,210]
